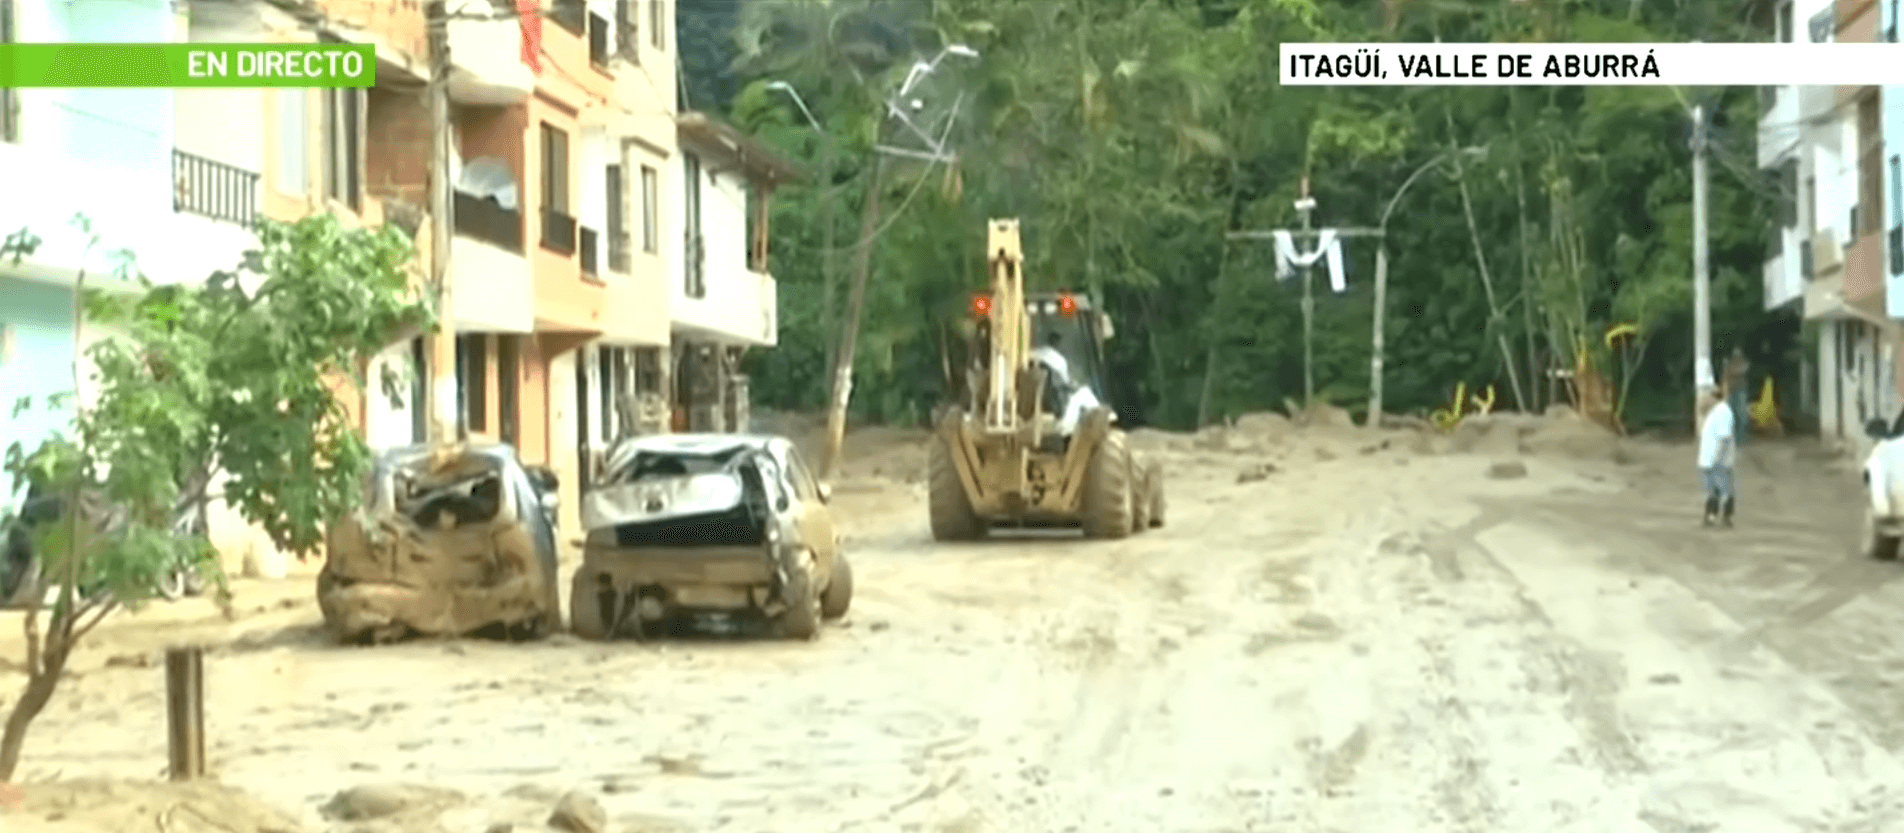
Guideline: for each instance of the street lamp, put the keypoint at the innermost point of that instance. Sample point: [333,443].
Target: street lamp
[1374,419]
[829,260]
[842,381]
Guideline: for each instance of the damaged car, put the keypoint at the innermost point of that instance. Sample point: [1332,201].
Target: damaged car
[454,541]
[686,525]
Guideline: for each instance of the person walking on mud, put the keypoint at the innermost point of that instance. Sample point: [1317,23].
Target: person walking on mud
[1717,443]
[1736,373]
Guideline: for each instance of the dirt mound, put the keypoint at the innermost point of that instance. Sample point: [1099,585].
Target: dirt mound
[1560,432]
[117,806]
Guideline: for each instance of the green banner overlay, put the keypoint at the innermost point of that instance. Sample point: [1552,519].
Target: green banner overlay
[187,65]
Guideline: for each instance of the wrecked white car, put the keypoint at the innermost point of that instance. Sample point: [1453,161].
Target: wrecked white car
[685,524]
[1884,489]
[454,542]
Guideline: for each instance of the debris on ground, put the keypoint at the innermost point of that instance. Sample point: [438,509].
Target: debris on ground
[579,813]
[376,801]
[99,806]
[1508,470]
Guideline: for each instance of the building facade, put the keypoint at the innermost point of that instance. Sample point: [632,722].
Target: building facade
[1825,149]
[564,264]
[724,300]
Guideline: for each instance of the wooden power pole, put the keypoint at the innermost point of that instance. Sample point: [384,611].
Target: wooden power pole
[440,394]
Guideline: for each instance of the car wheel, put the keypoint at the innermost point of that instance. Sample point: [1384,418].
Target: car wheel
[801,620]
[22,582]
[171,585]
[585,608]
[839,590]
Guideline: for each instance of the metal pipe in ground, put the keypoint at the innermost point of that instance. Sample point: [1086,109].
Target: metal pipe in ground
[185,711]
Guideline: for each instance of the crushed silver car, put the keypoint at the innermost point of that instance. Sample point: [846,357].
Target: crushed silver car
[686,524]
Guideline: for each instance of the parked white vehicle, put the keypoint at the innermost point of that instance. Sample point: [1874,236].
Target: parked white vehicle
[1884,491]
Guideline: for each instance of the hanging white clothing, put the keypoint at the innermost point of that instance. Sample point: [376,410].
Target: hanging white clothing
[1328,248]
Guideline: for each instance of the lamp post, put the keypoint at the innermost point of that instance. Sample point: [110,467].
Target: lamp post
[1374,419]
[829,263]
[862,257]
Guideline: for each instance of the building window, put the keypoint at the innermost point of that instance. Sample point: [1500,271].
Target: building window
[1895,243]
[598,40]
[1782,23]
[571,15]
[694,257]
[617,222]
[344,146]
[658,22]
[558,225]
[628,30]
[650,210]
[472,380]
[9,97]
[294,154]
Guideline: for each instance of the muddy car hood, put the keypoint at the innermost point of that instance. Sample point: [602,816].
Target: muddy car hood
[660,499]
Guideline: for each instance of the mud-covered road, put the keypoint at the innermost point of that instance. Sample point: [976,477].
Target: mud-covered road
[1333,633]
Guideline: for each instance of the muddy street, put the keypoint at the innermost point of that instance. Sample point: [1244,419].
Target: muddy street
[1334,632]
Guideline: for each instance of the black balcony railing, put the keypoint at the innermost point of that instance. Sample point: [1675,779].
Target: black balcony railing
[213,189]
[558,231]
[571,15]
[695,249]
[482,218]
[618,245]
[598,40]
[1804,258]
[587,249]
[1896,244]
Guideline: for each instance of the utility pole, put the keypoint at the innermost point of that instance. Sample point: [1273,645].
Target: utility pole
[440,394]
[1701,274]
[849,341]
[1307,206]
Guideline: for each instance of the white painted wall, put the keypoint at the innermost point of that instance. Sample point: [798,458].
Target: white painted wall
[500,294]
[387,424]
[741,307]
[105,153]
[596,153]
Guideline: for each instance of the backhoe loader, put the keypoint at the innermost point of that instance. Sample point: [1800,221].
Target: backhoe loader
[1033,445]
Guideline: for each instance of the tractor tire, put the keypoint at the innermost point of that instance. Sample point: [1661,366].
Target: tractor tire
[1107,488]
[839,590]
[953,518]
[1157,502]
[585,608]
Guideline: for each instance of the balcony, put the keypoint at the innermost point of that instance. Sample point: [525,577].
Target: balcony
[1895,247]
[558,231]
[214,190]
[482,218]
[486,65]
[589,240]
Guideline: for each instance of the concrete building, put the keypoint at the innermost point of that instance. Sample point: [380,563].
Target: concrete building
[1825,147]
[724,300]
[1891,24]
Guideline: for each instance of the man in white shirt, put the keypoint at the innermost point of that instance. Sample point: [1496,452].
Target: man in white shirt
[1079,399]
[1717,447]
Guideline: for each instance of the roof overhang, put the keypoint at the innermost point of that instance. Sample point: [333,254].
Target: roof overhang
[753,158]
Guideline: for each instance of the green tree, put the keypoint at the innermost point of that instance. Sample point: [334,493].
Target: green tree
[203,380]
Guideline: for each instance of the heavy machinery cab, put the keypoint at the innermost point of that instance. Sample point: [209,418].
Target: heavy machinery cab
[1079,326]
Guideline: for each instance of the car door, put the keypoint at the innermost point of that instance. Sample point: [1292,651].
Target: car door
[816,518]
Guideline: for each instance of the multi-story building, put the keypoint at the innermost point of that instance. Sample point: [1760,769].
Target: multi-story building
[724,299]
[1826,147]
[568,188]
[1892,26]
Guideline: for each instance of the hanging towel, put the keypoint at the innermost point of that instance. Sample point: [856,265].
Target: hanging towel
[1328,247]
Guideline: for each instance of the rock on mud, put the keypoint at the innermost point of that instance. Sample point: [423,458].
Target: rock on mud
[579,813]
[376,801]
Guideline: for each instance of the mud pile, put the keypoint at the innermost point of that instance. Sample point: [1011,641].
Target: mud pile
[114,807]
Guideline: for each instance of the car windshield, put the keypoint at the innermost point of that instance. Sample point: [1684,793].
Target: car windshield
[652,465]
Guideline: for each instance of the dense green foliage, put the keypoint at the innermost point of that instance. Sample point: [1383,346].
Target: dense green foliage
[1130,135]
